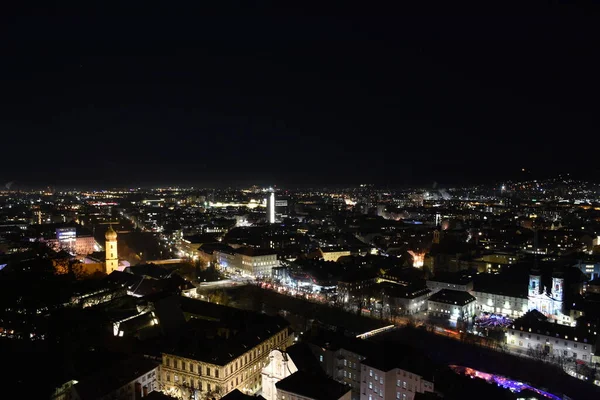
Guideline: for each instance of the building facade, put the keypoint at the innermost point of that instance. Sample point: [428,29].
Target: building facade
[333,254]
[535,333]
[498,303]
[451,304]
[248,261]
[112,255]
[549,302]
[279,366]
[241,371]
[378,382]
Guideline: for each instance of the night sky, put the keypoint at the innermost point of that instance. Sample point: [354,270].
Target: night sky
[207,100]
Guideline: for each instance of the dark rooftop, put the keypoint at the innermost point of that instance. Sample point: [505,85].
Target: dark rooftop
[452,297]
[218,334]
[237,395]
[456,278]
[254,252]
[210,248]
[404,358]
[303,358]
[312,386]
[113,378]
[156,395]
[401,291]
[334,341]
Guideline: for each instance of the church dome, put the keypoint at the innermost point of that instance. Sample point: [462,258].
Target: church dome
[110,233]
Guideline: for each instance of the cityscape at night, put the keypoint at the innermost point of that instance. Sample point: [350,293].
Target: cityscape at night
[221,205]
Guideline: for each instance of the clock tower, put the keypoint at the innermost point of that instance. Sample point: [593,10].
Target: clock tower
[112,257]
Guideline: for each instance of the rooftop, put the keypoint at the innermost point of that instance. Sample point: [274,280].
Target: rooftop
[218,334]
[254,252]
[452,297]
[535,322]
[110,379]
[406,359]
[455,278]
[334,341]
[237,395]
[315,387]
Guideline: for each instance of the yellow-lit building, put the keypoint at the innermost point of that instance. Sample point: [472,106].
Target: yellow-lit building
[333,253]
[112,256]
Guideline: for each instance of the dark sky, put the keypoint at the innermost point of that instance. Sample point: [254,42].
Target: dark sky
[208,99]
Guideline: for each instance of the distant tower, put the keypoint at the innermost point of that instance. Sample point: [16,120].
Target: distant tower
[436,237]
[438,219]
[112,257]
[557,287]
[271,208]
[535,282]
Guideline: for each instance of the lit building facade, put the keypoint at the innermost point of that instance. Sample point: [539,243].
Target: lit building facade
[112,256]
[548,302]
[67,240]
[534,332]
[499,303]
[271,208]
[242,370]
[451,304]
[333,254]
[280,366]
[249,261]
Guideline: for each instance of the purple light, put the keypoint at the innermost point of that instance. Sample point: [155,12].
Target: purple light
[506,383]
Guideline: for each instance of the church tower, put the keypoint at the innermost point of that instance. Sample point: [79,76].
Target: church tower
[112,257]
[557,287]
[535,282]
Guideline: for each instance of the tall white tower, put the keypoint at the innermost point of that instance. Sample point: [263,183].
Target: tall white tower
[112,257]
[557,288]
[535,281]
[271,208]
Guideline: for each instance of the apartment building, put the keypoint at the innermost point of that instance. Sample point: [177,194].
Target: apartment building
[534,332]
[389,378]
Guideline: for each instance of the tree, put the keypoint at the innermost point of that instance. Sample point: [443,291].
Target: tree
[188,271]
[182,390]
[219,297]
[214,394]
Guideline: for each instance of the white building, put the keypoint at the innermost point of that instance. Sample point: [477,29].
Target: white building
[451,304]
[257,262]
[404,300]
[382,379]
[548,302]
[501,303]
[535,332]
[247,260]
[271,208]
[279,366]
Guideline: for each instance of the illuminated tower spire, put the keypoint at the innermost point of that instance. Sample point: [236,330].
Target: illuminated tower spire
[112,257]
[271,207]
